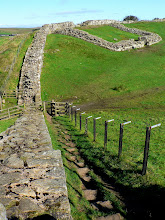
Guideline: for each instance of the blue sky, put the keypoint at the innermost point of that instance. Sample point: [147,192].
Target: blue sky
[33,13]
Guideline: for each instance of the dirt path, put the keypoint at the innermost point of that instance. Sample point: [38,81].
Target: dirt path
[123,101]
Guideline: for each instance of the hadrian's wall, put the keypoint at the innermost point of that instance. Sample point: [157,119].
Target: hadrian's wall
[32,177]
[147,38]
[98,22]
[31,69]
[108,21]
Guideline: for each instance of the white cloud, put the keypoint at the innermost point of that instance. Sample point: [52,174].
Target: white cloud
[84,11]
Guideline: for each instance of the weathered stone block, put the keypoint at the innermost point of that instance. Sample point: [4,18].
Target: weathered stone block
[2,212]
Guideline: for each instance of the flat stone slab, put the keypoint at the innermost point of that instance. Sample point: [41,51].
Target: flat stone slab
[90,195]
[43,163]
[105,204]
[9,178]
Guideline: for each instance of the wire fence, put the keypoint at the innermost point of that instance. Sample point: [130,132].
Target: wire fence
[126,139]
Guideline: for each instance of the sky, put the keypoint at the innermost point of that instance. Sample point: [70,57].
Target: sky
[35,13]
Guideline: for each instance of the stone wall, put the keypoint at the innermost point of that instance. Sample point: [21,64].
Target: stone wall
[108,21]
[98,22]
[31,69]
[146,39]
[32,177]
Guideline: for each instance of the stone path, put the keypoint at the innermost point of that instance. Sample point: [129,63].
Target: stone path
[32,178]
[90,191]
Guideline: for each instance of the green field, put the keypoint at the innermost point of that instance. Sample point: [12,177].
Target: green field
[95,75]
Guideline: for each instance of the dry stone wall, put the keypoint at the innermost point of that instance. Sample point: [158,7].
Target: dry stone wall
[31,69]
[32,177]
[98,22]
[147,38]
[108,21]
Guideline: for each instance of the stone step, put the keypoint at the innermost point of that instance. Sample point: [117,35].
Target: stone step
[90,195]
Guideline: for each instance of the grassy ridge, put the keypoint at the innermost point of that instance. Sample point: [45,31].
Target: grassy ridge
[108,33]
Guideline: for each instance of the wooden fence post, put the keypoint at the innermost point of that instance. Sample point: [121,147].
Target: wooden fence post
[120,140]
[86,125]
[9,112]
[75,113]
[67,108]
[52,108]
[94,128]
[121,137]
[106,132]
[16,92]
[81,120]
[146,148]
[72,112]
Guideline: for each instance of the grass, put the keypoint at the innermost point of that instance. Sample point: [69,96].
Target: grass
[108,33]
[129,166]
[4,124]
[92,74]
[14,77]
[8,52]
[4,40]
[136,190]
[16,30]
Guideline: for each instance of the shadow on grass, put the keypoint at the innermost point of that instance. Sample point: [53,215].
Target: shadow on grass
[142,200]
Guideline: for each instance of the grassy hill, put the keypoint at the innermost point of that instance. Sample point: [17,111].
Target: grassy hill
[91,73]
[125,86]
